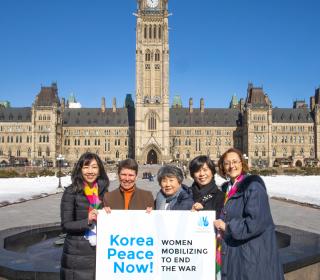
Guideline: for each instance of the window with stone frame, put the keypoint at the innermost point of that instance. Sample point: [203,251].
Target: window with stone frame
[152,121]
[148,55]
[157,56]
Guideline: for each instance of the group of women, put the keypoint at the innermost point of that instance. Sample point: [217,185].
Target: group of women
[246,240]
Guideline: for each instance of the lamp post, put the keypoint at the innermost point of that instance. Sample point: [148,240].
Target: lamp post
[60,159]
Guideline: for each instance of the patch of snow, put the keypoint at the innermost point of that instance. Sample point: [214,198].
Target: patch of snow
[20,189]
[305,189]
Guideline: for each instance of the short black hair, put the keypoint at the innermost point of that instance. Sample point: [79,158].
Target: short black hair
[198,162]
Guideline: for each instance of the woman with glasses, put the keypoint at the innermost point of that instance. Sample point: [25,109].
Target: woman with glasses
[247,245]
[206,194]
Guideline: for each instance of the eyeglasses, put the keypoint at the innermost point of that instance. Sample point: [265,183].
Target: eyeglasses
[231,163]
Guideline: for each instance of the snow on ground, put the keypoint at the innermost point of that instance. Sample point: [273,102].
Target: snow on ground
[19,189]
[298,188]
[304,189]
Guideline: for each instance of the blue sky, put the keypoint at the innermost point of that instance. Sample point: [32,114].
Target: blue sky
[216,47]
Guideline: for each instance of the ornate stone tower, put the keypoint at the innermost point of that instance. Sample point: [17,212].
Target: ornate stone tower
[152,82]
[47,125]
[257,127]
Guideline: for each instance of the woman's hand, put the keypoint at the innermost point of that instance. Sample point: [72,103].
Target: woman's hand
[220,225]
[107,209]
[92,216]
[197,206]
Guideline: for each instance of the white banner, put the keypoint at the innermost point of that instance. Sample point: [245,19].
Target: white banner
[162,245]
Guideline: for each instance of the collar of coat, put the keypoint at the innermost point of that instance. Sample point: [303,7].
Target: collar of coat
[245,183]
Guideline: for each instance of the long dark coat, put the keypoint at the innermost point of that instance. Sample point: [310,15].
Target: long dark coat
[249,247]
[78,257]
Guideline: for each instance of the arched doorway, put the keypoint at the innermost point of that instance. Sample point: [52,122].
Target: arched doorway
[152,157]
[298,163]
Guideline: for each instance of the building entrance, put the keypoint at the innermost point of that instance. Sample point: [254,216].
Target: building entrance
[152,157]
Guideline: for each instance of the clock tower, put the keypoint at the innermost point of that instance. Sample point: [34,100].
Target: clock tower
[152,82]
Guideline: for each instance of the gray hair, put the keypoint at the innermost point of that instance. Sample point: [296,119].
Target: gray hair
[170,171]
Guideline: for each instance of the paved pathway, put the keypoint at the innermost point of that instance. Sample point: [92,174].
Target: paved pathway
[47,210]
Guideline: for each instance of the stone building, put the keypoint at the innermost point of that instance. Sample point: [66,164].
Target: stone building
[149,129]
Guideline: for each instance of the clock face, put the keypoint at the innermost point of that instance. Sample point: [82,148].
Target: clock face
[152,3]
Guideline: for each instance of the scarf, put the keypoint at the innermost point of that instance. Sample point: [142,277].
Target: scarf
[231,190]
[92,196]
[166,202]
[205,193]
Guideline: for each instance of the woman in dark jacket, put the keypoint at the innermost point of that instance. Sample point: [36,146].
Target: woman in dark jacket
[79,205]
[173,194]
[247,233]
[206,194]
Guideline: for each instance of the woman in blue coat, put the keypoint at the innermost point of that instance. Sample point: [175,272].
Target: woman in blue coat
[245,229]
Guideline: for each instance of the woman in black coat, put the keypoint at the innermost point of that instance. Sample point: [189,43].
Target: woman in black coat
[246,229]
[206,194]
[78,217]
[173,194]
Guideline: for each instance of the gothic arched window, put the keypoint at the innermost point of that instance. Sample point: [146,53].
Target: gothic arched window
[157,56]
[148,55]
[145,32]
[152,122]
[159,32]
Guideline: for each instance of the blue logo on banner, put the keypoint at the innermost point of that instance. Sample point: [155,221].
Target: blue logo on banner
[203,222]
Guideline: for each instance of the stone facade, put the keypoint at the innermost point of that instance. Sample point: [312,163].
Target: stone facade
[150,130]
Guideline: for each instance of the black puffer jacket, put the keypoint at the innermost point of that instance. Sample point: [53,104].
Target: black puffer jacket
[209,196]
[78,257]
